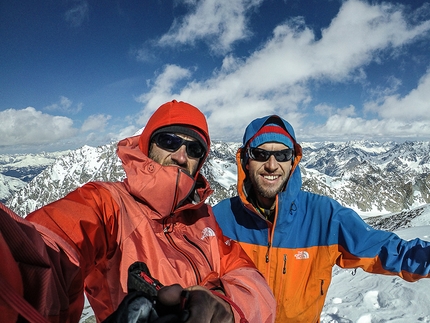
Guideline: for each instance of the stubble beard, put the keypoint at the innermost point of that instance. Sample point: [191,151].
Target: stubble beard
[266,191]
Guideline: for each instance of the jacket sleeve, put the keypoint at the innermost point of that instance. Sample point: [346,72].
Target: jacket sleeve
[76,229]
[377,251]
[40,270]
[244,284]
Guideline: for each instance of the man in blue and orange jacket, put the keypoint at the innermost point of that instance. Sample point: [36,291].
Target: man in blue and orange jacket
[296,237]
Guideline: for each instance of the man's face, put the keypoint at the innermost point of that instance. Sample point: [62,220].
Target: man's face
[268,178]
[178,158]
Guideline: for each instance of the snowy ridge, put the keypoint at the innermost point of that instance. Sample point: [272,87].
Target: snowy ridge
[66,174]
[8,185]
[369,177]
[17,170]
[372,178]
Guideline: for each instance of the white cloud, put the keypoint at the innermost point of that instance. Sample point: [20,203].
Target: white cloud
[95,123]
[277,78]
[219,23]
[342,127]
[31,127]
[324,109]
[127,132]
[78,14]
[414,106]
[162,90]
[65,105]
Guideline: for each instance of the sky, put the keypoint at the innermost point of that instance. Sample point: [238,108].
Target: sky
[86,72]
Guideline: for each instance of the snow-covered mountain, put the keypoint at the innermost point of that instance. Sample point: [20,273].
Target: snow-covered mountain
[8,185]
[370,177]
[19,169]
[65,174]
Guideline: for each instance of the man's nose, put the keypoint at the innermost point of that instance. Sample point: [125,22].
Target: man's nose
[272,163]
[180,156]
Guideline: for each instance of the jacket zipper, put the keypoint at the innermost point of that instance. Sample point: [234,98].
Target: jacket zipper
[201,251]
[267,253]
[284,269]
[168,228]
[193,265]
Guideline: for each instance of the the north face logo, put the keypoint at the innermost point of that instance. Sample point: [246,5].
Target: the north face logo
[207,232]
[301,255]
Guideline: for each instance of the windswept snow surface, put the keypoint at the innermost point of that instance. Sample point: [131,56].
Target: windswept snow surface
[355,296]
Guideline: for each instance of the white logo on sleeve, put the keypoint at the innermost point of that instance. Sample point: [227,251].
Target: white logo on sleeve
[207,232]
[301,255]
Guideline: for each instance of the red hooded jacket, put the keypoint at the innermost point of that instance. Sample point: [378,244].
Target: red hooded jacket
[97,231]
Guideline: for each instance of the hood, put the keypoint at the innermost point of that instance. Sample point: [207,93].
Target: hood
[175,113]
[147,181]
[295,180]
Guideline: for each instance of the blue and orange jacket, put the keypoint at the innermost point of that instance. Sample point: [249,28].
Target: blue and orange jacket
[309,235]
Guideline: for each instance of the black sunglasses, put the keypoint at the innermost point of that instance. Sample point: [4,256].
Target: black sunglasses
[262,155]
[172,142]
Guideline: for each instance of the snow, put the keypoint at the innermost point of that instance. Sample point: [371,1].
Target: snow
[225,172]
[9,184]
[359,297]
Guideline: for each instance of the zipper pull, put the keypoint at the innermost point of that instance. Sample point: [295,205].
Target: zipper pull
[168,225]
[267,253]
[284,270]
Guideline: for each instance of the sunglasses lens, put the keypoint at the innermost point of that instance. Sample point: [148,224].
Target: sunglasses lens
[283,155]
[168,141]
[194,149]
[262,155]
[172,142]
[259,154]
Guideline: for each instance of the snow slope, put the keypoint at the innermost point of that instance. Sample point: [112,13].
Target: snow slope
[355,296]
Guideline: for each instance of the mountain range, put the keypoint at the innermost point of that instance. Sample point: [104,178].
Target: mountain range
[370,177]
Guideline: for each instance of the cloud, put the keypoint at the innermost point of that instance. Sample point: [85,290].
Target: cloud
[65,106]
[414,106]
[144,53]
[162,90]
[78,14]
[280,75]
[359,128]
[95,123]
[127,132]
[219,23]
[31,127]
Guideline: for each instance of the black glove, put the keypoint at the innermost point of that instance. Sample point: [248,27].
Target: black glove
[136,307]
[148,301]
[195,304]
[141,304]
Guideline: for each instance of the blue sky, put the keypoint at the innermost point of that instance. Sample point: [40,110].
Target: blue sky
[76,72]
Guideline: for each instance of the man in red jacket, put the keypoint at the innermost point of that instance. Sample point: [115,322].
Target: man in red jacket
[87,240]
